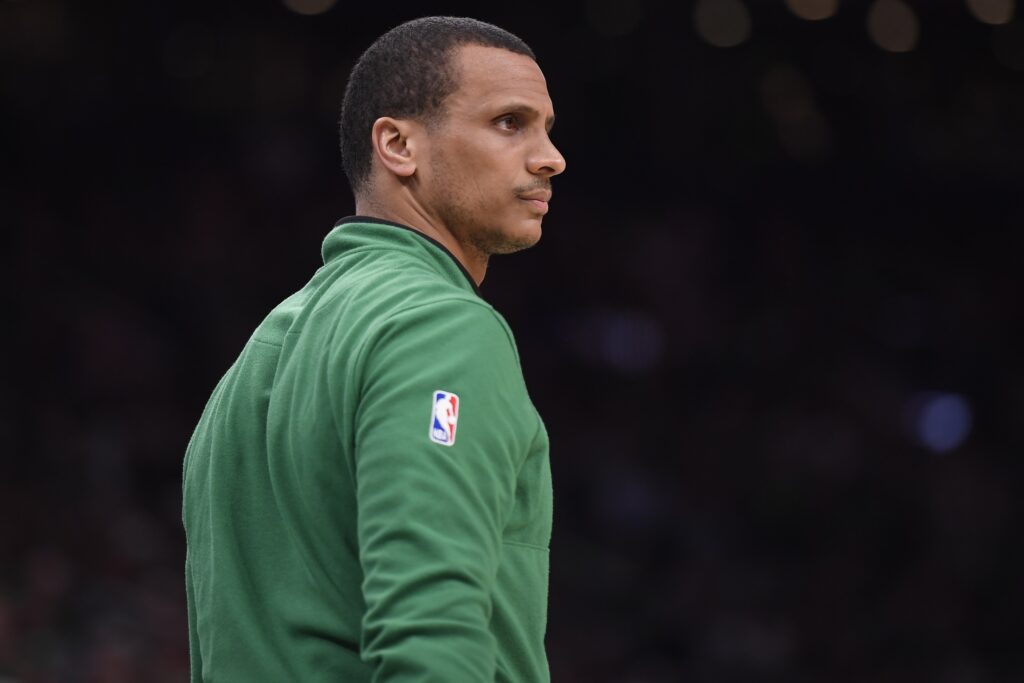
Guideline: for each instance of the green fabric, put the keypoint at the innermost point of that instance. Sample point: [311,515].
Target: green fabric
[329,539]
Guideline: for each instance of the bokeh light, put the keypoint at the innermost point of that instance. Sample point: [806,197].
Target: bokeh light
[943,421]
[813,10]
[893,25]
[722,23]
[309,7]
[991,11]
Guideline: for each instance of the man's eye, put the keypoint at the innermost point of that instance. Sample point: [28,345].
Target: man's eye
[508,122]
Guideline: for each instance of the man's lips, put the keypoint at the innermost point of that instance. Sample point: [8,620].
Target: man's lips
[538,200]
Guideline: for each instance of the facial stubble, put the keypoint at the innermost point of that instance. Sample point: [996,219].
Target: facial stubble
[466,219]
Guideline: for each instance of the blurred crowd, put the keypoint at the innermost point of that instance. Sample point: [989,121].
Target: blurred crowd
[773,326]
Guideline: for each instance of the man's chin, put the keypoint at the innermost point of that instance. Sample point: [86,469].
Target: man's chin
[523,241]
[511,241]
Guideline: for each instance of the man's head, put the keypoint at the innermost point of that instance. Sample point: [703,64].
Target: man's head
[451,116]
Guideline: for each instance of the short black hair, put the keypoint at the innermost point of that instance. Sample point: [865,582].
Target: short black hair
[407,73]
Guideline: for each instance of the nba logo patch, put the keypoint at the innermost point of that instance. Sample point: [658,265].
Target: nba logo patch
[444,418]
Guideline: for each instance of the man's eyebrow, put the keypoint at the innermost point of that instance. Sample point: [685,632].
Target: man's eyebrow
[520,108]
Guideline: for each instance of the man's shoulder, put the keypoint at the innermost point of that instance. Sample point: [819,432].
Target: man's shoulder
[399,292]
[447,308]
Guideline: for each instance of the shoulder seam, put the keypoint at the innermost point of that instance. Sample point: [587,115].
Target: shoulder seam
[531,546]
[267,343]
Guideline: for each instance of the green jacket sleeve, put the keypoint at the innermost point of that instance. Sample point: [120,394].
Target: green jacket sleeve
[430,516]
[195,656]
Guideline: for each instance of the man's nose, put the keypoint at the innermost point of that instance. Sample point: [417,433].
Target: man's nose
[547,161]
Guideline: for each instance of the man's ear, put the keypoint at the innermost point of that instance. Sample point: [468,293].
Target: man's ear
[395,145]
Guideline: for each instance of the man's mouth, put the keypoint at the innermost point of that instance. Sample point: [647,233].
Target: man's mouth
[538,200]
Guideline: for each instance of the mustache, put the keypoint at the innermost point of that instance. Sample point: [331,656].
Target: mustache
[542,184]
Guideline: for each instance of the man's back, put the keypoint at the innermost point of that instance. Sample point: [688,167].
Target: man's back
[332,533]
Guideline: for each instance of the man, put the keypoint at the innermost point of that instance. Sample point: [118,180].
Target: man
[367,496]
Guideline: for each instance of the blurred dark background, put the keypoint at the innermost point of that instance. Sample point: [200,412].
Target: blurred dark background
[774,325]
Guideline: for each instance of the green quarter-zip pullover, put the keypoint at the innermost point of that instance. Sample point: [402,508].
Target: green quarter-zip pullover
[367,495]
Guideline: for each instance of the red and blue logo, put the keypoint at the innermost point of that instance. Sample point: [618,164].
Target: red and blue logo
[444,418]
